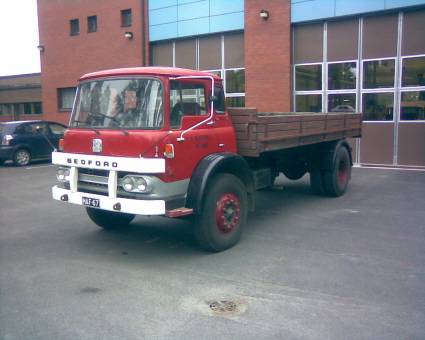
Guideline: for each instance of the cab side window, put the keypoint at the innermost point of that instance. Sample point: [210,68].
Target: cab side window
[186,99]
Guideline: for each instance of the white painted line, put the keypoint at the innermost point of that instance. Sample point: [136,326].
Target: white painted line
[40,166]
[386,168]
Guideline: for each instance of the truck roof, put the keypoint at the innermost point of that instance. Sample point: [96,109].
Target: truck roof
[152,71]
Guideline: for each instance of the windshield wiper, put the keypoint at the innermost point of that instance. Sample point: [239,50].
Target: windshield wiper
[115,120]
[86,126]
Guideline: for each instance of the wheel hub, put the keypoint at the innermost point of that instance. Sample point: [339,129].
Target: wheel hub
[227,213]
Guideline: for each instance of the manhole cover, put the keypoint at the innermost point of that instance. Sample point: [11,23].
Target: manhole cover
[223,307]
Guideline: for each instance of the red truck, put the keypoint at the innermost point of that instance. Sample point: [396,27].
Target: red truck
[159,141]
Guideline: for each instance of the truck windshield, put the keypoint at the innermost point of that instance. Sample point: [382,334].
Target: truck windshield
[119,103]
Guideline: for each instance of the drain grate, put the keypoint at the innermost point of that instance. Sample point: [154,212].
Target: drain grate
[223,307]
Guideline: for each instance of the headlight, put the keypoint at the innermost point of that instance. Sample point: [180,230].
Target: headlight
[62,174]
[6,140]
[136,184]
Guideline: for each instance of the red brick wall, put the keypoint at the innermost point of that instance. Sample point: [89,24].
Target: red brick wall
[66,57]
[268,55]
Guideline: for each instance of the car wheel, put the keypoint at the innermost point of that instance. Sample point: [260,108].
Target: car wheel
[21,157]
[108,219]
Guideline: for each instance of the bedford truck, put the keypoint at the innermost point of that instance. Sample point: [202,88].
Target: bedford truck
[159,141]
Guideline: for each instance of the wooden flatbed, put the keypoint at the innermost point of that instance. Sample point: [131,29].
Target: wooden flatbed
[258,132]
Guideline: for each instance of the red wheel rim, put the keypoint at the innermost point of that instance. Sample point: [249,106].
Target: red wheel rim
[343,172]
[227,213]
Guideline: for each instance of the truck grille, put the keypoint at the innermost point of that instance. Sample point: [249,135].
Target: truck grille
[93,181]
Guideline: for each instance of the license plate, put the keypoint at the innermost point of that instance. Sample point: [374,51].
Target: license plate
[91,202]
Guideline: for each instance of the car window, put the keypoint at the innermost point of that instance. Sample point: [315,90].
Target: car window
[57,129]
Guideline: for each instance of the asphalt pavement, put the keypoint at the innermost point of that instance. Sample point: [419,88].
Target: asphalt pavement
[307,267]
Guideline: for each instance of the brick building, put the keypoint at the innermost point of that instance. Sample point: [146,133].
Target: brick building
[276,55]
[20,97]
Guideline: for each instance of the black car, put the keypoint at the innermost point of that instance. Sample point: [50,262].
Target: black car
[24,141]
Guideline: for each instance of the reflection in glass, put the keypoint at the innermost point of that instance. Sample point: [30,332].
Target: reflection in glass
[413,72]
[378,74]
[342,102]
[378,106]
[235,81]
[235,102]
[308,77]
[309,103]
[342,76]
[412,105]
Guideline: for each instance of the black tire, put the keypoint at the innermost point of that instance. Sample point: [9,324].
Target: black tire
[224,213]
[295,171]
[316,182]
[336,180]
[21,157]
[108,219]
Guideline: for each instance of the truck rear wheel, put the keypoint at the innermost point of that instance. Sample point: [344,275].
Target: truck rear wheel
[336,180]
[109,219]
[224,212]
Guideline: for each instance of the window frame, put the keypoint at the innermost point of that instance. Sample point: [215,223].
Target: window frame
[89,23]
[60,99]
[126,15]
[72,32]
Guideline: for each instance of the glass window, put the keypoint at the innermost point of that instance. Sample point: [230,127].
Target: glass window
[186,99]
[126,18]
[308,77]
[308,43]
[380,36]
[234,55]
[342,102]
[56,129]
[38,109]
[413,72]
[235,101]
[342,76]
[19,109]
[413,41]
[186,53]
[309,103]
[412,105]
[342,40]
[235,81]
[378,73]
[74,27]
[210,53]
[378,106]
[92,24]
[66,98]
[162,54]
[119,103]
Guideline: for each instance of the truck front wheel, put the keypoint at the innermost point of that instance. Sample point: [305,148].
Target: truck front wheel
[224,212]
[109,219]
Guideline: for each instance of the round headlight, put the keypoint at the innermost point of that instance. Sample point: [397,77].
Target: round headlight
[62,174]
[136,184]
[127,183]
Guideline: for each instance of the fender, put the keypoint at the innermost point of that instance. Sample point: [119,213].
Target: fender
[209,166]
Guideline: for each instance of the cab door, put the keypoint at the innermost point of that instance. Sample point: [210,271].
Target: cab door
[189,106]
